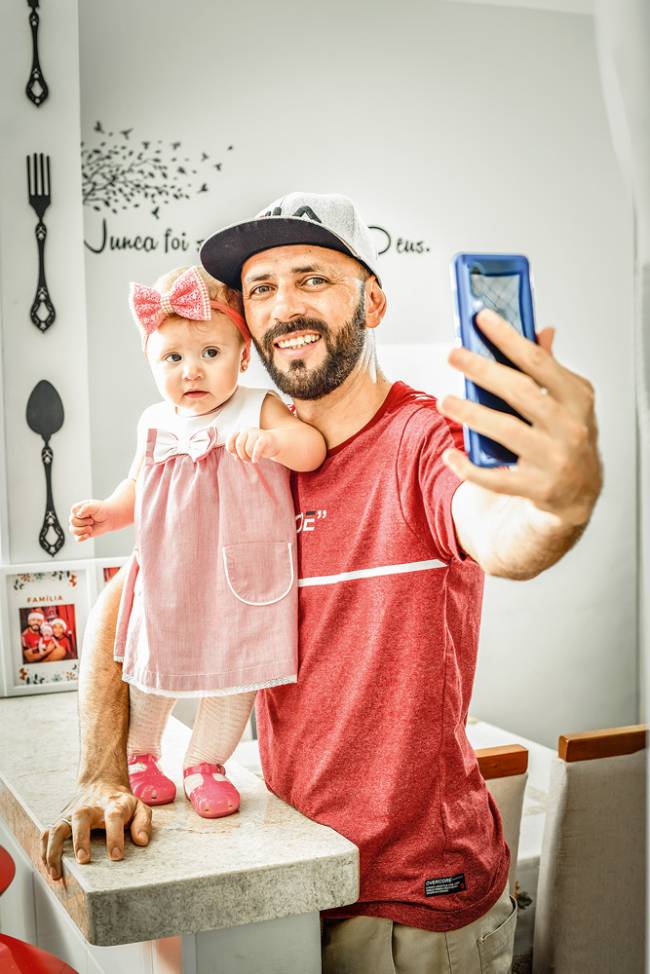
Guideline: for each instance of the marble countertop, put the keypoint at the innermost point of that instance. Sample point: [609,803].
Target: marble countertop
[264,862]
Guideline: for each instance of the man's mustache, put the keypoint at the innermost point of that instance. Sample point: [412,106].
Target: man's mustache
[288,327]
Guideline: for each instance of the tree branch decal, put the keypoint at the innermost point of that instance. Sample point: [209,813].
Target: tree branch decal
[121,173]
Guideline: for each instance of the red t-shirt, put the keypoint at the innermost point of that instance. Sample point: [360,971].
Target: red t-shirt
[30,638]
[371,740]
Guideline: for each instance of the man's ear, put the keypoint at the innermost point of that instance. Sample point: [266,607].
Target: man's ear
[375,302]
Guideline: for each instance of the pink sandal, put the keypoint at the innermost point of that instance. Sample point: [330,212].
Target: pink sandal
[147,781]
[211,798]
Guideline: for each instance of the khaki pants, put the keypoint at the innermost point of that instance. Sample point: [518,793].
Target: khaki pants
[372,945]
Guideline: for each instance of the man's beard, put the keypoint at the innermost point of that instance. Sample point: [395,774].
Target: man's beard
[343,353]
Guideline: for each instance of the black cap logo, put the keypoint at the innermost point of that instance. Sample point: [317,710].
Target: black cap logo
[301,211]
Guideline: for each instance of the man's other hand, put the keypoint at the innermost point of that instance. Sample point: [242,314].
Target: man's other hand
[99,805]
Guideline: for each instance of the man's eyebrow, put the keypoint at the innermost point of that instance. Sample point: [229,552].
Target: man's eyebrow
[307,269]
[265,275]
[262,276]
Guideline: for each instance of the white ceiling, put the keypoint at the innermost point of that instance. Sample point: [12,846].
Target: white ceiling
[566,6]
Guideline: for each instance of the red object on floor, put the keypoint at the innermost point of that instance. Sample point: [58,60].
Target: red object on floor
[7,869]
[16,956]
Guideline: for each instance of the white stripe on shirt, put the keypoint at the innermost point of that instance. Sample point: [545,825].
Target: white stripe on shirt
[413,566]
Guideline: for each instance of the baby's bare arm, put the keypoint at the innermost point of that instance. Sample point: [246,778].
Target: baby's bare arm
[90,518]
[122,504]
[282,437]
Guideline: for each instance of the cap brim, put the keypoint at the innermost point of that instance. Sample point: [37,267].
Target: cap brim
[225,252]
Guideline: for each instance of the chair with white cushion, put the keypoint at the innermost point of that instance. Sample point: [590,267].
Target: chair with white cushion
[590,911]
[505,770]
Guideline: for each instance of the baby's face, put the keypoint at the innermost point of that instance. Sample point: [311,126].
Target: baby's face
[196,364]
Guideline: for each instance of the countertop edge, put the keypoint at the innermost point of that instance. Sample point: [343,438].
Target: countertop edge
[112,917]
[329,881]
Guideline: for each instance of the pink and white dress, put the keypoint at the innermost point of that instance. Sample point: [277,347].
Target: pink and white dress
[210,601]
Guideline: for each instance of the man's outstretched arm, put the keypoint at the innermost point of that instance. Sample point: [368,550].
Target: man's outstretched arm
[103,799]
[516,522]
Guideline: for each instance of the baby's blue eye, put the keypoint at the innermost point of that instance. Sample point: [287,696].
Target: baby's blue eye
[211,352]
[173,357]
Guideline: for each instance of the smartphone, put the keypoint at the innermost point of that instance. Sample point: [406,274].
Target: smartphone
[502,283]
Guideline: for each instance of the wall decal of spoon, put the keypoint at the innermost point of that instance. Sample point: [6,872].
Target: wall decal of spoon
[45,417]
[36,90]
[39,193]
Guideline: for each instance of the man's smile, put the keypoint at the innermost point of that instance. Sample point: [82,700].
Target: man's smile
[297,343]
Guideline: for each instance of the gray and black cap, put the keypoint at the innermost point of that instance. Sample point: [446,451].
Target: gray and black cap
[322,220]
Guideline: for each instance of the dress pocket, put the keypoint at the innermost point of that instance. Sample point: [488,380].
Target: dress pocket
[259,572]
[495,949]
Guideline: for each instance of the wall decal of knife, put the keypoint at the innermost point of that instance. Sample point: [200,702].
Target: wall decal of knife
[45,417]
[37,90]
[42,311]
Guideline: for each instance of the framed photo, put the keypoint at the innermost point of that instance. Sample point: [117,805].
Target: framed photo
[44,612]
[105,568]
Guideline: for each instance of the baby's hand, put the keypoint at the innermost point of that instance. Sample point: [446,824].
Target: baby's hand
[88,519]
[253,444]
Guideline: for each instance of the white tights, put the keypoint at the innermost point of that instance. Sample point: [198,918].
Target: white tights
[218,725]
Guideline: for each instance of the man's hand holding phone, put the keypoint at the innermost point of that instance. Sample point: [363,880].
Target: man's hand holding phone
[558,466]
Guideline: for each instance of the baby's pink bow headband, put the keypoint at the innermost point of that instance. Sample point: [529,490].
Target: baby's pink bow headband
[188,298]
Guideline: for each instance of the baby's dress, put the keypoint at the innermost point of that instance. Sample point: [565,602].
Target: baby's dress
[210,600]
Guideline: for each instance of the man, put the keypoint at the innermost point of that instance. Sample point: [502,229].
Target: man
[31,636]
[396,530]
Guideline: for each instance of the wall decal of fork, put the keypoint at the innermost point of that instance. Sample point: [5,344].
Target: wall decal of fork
[42,312]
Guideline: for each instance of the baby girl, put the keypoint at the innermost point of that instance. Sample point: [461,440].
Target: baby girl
[209,605]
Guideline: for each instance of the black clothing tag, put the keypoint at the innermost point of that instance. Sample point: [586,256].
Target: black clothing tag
[444,885]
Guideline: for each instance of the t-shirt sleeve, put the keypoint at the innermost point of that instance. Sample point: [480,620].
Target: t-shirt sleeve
[427,485]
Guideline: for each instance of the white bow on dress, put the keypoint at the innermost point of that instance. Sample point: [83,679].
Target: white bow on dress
[196,445]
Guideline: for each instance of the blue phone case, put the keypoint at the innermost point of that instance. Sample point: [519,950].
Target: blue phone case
[500,282]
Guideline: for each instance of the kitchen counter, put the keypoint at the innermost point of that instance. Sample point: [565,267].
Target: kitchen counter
[262,864]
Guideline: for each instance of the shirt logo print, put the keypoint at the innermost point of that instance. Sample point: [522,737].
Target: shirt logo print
[307,520]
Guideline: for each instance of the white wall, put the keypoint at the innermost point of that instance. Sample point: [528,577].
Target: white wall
[623,35]
[457,125]
[59,355]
